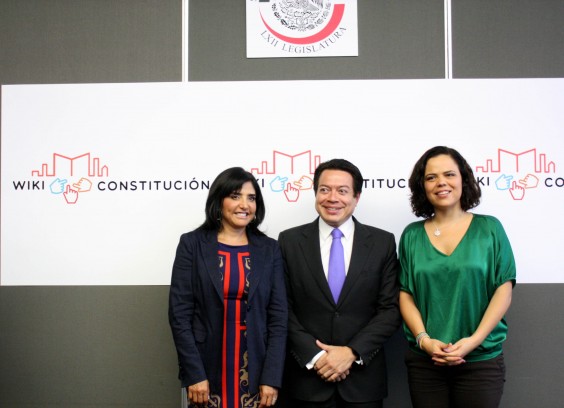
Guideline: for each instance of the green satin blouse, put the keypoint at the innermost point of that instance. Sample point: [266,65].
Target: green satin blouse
[453,291]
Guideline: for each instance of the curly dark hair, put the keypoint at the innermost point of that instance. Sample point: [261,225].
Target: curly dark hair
[471,192]
[227,182]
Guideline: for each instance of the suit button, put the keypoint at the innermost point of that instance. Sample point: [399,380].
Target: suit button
[248,308]
[337,314]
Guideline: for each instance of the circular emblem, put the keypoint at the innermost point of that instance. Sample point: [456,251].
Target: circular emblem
[301,15]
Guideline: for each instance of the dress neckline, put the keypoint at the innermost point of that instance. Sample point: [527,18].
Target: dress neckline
[221,244]
[457,245]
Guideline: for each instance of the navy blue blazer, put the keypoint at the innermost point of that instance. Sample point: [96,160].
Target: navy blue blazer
[196,311]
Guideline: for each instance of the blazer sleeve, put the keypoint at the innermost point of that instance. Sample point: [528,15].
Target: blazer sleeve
[277,325]
[181,311]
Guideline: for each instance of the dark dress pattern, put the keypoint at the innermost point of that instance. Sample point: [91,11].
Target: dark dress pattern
[235,268]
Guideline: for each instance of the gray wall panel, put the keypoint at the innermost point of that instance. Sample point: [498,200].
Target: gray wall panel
[75,41]
[86,346]
[397,40]
[533,354]
[508,39]
[111,346]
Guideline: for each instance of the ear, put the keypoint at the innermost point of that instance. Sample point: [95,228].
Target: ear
[357,198]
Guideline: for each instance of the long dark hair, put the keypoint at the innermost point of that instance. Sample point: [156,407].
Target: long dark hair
[471,192]
[227,182]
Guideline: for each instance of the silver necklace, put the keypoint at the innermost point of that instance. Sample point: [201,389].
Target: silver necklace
[437,230]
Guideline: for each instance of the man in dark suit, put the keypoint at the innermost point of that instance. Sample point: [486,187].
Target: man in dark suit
[335,336]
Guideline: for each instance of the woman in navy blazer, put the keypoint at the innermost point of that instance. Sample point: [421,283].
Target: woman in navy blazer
[227,303]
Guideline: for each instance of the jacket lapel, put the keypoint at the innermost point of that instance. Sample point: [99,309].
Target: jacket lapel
[361,250]
[309,244]
[211,261]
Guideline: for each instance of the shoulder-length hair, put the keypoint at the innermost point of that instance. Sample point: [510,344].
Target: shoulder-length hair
[471,192]
[226,183]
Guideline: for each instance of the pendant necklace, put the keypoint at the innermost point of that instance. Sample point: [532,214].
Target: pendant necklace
[437,230]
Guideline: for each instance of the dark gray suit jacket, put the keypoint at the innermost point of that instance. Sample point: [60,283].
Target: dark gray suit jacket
[366,315]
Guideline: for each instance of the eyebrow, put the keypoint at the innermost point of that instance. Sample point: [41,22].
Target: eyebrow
[446,171]
[240,193]
[342,186]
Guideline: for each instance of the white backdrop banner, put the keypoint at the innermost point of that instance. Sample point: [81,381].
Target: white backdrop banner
[99,181]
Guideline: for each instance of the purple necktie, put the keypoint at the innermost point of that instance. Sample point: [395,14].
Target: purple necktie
[336,274]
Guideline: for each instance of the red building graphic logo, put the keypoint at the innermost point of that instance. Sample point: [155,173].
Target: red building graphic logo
[290,173]
[72,175]
[518,172]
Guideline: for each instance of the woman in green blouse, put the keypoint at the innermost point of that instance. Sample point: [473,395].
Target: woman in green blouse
[457,278]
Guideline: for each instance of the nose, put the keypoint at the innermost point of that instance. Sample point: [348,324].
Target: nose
[441,181]
[244,202]
[332,195]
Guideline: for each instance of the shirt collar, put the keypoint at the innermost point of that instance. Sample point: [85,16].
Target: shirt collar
[347,228]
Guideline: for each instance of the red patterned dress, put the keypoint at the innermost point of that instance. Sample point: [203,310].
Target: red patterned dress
[235,268]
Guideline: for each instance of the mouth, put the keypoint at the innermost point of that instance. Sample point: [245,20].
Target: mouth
[332,209]
[443,193]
